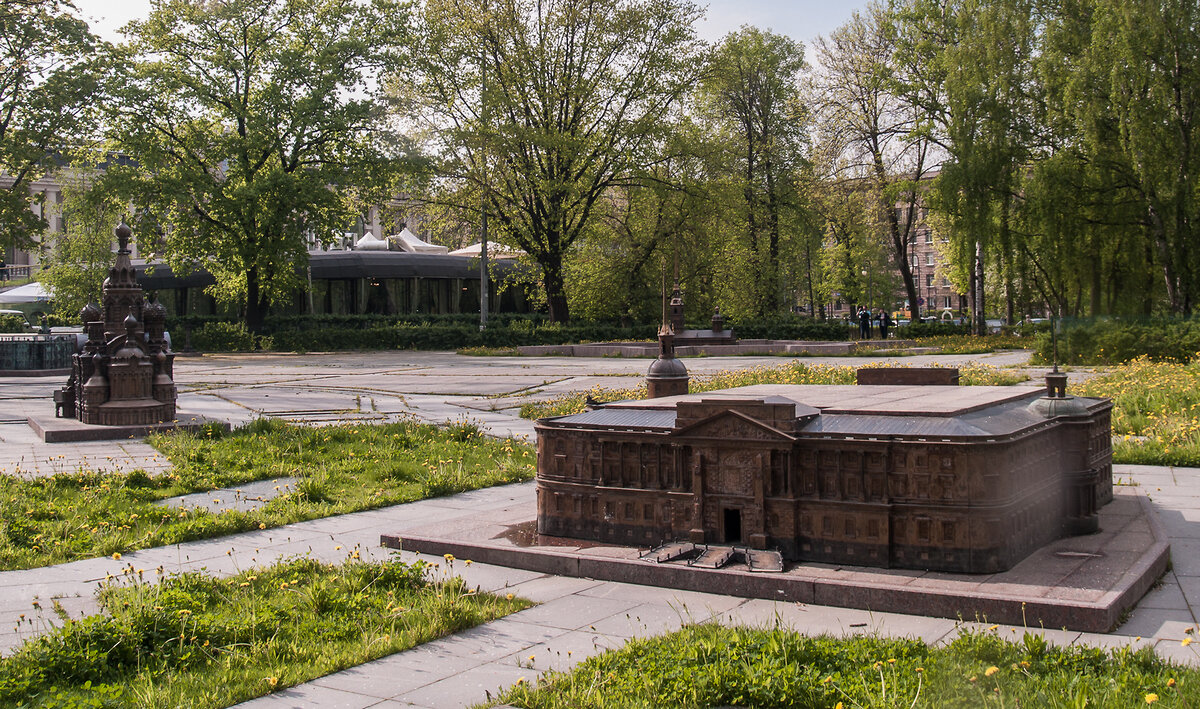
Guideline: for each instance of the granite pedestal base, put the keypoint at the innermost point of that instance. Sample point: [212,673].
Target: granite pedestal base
[65,430]
[1082,583]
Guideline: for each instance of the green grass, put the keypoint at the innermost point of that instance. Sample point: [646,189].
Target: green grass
[711,666]
[1156,411]
[198,641]
[484,351]
[791,373]
[342,469]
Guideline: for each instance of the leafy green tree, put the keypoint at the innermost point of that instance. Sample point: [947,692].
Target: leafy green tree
[48,89]
[751,99]
[966,66]
[254,130]
[647,232]
[547,106]
[1150,52]
[77,259]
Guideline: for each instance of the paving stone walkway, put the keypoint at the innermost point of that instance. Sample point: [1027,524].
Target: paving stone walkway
[575,618]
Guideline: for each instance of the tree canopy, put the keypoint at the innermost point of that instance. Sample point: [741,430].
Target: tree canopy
[49,76]
[252,127]
[547,106]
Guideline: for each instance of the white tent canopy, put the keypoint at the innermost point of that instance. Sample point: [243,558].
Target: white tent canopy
[410,242]
[28,293]
[370,242]
[494,250]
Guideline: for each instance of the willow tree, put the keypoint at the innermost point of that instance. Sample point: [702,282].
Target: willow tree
[547,106]
[1149,53]
[966,67]
[251,125]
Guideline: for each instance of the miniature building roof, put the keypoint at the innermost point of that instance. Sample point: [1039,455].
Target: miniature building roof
[854,410]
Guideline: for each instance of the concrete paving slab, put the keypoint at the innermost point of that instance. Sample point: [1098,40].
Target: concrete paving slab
[468,687]
[333,381]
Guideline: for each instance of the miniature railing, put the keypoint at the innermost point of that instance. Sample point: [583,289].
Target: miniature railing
[36,352]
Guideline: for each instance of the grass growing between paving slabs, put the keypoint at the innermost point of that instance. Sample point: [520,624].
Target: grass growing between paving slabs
[341,469]
[198,641]
[793,373]
[1156,411]
[711,666]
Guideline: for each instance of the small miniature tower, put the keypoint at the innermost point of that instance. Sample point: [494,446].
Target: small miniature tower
[667,375]
[123,374]
[676,310]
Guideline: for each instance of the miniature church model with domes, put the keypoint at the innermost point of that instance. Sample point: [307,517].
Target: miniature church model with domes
[123,374]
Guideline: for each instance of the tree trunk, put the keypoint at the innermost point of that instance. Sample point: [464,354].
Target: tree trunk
[978,326]
[556,293]
[255,308]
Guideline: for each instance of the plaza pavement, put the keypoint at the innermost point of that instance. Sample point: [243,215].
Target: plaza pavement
[575,618]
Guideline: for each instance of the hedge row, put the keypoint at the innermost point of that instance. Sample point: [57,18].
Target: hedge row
[228,337]
[1117,341]
[373,332]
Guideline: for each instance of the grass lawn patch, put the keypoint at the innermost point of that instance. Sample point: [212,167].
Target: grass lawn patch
[198,641]
[1156,411]
[791,373]
[711,666]
[345,468]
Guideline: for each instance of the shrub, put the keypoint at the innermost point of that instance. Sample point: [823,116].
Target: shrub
[13,323]
[219,336]
[931,329]
[789,327]
[1118,341]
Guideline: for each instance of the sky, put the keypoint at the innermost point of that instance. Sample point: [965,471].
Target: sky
[802,20]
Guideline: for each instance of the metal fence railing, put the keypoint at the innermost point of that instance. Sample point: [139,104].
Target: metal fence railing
[34,352]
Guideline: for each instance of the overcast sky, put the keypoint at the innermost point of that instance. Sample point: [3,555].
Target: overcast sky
[801,19]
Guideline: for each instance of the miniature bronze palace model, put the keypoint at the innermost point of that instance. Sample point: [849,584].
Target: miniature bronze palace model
[963,479]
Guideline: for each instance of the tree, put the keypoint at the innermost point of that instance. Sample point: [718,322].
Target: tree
[1151,51]
[79,257]
[871,135]
[48,90]
[750,95]
[966,67]
[547,105]
[253,127]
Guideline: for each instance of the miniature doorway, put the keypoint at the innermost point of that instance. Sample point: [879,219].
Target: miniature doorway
[732,526]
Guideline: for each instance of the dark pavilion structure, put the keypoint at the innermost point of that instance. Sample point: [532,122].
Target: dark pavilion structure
[123,374]
[961,479]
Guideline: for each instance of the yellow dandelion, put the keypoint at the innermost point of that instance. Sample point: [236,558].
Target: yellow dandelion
[116,556]
[1151,698]
[991,671]
[1185,642]
[1171,682]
